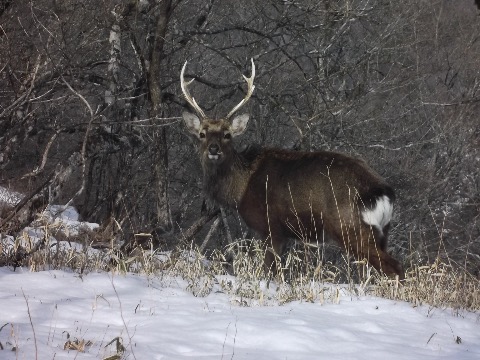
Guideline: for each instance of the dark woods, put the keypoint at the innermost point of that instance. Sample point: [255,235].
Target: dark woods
[90,105]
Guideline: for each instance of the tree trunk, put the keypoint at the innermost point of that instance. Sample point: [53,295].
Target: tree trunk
[106,167]
[160,160]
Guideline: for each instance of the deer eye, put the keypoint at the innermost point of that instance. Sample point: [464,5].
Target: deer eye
[202,135]
[227,136]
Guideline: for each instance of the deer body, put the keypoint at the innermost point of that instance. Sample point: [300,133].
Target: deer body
[285,194]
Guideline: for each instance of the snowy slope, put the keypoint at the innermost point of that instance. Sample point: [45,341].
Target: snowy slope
[158,319]
[8,197]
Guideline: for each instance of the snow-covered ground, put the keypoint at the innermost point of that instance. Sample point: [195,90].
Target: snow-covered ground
[157,319]
[54,314]
[9,197]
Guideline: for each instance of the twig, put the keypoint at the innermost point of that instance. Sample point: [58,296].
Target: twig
[39,169]
[31,324]
[430,338]
[198,225]
[234,338]
[123,319]
[227,227]
[209,234]
[84,145]
[25,200]
[24,97]
[225,340]
[20,254]
[462,102]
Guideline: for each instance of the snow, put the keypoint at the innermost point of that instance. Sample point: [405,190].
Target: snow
[8,197]
[43,315]
[67,218]
[156,318]
[58,220]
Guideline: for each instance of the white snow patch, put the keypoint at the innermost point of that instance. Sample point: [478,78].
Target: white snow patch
[55,219]
[8,197]
[157,319]
[67,218]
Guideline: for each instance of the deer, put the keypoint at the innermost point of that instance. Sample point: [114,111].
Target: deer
[281,193]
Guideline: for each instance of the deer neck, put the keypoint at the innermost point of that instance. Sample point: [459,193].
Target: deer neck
[226,183]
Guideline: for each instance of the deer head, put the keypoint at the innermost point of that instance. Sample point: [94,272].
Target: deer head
[215,135]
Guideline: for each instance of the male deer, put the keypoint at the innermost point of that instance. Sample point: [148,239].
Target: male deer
[283,193]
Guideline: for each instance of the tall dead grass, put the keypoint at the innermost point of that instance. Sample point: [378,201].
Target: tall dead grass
[305,273]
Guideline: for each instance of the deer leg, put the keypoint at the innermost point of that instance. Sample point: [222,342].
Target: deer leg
[274,247]
[365,242]
[382,237]
[373,248]
[385,263]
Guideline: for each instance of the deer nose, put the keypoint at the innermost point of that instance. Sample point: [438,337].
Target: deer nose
[213,149]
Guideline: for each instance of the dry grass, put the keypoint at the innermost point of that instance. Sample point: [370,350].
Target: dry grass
[317,280]
[438,284]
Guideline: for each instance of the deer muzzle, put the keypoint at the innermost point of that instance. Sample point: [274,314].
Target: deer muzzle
[214,152]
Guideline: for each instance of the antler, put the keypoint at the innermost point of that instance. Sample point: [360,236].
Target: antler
[186,93]
[250,89]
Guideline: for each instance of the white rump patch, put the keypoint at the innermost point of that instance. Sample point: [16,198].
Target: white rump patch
[380,215]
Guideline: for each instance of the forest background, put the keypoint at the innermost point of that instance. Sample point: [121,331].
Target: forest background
[90,108]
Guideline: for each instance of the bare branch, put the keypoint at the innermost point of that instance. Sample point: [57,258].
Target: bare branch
[24,97]
[39,169]
[84,145]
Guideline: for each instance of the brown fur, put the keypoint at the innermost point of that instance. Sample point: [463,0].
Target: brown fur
[285,194]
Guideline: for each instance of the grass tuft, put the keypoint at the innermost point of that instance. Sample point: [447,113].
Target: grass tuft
[307,273]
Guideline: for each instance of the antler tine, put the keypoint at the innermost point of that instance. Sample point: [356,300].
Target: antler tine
[186,93]
[250,89]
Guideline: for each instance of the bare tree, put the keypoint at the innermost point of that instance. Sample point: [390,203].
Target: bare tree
[394,82]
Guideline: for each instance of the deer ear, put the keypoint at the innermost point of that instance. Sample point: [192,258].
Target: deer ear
[192,122]
[239,124]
